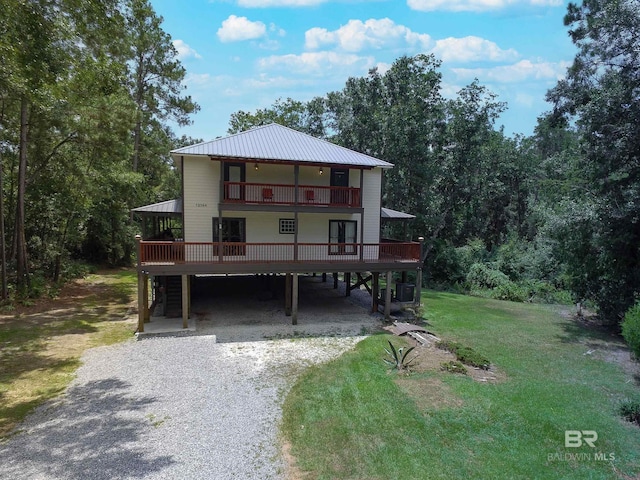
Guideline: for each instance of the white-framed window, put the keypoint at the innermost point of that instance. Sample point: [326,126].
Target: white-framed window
[287,225]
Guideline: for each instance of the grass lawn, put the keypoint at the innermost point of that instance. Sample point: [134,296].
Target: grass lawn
[41,345]
[354,419]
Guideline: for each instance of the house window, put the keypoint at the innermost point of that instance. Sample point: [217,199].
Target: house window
[343,234]
[287,225]
[233,231]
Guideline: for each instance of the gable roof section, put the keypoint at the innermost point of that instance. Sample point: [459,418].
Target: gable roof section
[388,214]
[174,207]
[278,143]
[170,207]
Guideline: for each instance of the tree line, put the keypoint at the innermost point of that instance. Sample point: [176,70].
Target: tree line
[554,216]
[87,89]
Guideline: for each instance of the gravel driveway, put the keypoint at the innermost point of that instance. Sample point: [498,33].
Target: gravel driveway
[170,408]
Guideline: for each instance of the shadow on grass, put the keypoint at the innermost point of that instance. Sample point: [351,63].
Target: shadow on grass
[96,432]
[591,335]
[13,410]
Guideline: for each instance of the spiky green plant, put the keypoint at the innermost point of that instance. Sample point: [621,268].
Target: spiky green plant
[398,358]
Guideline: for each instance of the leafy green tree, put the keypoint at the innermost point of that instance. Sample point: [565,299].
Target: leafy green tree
[156,82]
[304,117]
[67,113]
[601,95]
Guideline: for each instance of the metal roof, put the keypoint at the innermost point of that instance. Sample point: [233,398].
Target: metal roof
[388,214]
[174,207]
[278,143]
[170,207]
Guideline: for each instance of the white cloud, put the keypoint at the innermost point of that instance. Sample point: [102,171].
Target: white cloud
[476,5]
[317,62]
[198,79]
[273,28]
[184,50]
[279,3]
[264,81]
[518,72]
[450,90]
[269,45]
[357,35]
[235,29]
[525,99]
[471,48]
[383,67]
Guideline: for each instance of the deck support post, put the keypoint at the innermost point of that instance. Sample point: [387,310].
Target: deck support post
[418,293]
[294,300]
[141,279]
[189,292]
[347,281]
[335,280]
[145,296]
[287,295]
[387,297]
[404,276]
[185,301]
[141,301]
[375,291]
[324,277]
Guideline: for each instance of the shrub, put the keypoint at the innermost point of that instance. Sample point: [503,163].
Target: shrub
[631,328]
[510,291]
[630,411]
[482,276]
[475,251]
[509,258]
[469,356]
[454,367]
[443,265]
[466,355]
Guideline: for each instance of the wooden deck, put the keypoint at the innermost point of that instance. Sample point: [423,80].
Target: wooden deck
[226,257]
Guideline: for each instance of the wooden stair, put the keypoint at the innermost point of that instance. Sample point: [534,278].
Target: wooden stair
[173,296]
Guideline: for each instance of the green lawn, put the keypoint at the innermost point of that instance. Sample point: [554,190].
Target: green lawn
[41,345]
[352,419]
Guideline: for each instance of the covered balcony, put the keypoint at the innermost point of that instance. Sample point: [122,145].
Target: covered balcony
[281,194]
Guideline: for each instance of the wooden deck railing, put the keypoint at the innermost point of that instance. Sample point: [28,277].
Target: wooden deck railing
[235,253]
[268,193]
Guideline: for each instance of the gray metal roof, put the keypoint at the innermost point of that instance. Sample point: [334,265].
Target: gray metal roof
[388,214]
[276,142]
[175,207]
[170,207]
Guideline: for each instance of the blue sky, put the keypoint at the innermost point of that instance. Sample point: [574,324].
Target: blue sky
[245,54]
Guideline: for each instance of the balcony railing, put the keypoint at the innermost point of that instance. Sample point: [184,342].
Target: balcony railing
[168,253]
[268,193]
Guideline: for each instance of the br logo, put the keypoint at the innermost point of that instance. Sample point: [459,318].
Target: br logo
[575,438]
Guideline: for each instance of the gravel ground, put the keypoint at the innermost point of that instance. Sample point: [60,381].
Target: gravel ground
[168,408]
[205,406]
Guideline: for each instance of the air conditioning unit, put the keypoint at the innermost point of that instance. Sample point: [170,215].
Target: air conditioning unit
[405,292]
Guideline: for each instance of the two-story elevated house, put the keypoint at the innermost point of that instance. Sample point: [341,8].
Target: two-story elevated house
[271,200]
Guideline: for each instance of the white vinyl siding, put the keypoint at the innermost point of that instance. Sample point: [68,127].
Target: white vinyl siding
[201,194]
[371,193]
